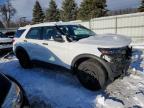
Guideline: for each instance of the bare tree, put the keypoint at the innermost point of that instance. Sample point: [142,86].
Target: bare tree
[7,12]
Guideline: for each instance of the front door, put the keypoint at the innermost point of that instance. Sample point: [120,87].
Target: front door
[54,51]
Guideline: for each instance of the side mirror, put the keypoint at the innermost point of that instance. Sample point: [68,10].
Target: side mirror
[11,93]
[58,38]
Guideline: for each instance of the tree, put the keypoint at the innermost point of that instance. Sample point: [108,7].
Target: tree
[1,25]
[52,13]
[69,10]
[7,12]
[91,9]
[38,15]
[141,8]
[22,21]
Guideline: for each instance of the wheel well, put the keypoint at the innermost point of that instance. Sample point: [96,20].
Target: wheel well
[80,60]
[19,49]
[77,62]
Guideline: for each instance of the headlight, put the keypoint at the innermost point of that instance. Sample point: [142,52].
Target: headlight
[105,51]
[109,51]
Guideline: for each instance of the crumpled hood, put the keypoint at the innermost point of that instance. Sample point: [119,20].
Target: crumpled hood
[107,41]
[5,40]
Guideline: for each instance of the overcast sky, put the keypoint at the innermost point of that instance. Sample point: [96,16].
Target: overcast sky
[24,7]
[121,4]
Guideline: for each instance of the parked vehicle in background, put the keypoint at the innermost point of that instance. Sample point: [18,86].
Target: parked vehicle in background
[12,95]
[95,59]
[10,34]
[5,43]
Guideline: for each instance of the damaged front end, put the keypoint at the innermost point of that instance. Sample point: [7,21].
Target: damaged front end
[118,59]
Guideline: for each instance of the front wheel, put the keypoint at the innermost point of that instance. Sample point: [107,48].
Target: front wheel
[91,75]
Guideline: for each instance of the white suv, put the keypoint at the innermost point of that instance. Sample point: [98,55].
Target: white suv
[95,59]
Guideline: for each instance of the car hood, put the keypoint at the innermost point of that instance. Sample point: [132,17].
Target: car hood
[5,40]
[107,41]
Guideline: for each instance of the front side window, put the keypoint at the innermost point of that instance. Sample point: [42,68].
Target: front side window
[50,33]
[77,32]
[34,33]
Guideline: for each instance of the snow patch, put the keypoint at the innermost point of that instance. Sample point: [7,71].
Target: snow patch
[107,103]
[138,60]
[140,99]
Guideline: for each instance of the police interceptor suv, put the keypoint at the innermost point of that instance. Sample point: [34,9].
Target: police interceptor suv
[95,59]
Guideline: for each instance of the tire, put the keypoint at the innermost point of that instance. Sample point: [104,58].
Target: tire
[91,75]
[24,59]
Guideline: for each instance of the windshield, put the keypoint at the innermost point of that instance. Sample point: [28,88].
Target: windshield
[77,32]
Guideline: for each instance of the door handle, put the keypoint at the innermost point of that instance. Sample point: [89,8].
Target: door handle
[45,43]
[25,40]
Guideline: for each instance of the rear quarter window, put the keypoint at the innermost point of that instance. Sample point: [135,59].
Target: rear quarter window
[34,33]
[19,33]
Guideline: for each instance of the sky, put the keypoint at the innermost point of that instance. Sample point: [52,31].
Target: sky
[122,4]
[24,7]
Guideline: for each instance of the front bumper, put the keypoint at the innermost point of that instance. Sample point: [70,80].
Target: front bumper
[119,68]
[119,62]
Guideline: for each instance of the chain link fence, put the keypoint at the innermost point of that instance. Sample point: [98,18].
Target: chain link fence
[131,25]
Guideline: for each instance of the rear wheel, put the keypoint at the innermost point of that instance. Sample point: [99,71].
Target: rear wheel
[24,59]
[91,74]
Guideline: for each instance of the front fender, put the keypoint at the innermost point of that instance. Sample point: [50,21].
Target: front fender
[101,61]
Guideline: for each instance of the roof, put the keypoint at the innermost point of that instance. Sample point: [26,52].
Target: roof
[48,24]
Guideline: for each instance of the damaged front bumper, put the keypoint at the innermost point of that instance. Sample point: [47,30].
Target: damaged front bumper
[118,59]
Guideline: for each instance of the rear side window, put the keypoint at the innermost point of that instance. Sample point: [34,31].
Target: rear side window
[19,33]
[34,33]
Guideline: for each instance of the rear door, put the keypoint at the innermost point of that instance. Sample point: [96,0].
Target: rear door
[32,43]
